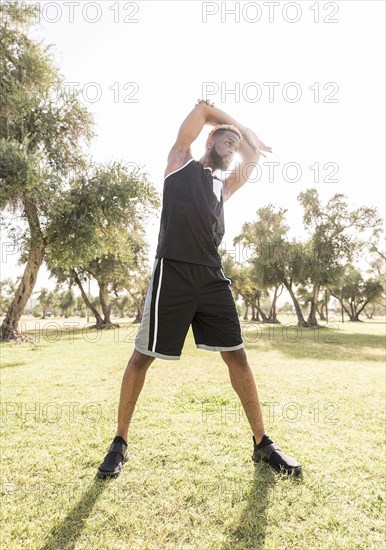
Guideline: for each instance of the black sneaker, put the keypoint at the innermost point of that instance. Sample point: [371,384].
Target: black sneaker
[268,451]
[116,456]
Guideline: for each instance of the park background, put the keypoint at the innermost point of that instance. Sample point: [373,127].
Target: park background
[193,485]
[172,57]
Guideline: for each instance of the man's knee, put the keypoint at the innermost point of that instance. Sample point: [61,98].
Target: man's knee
[140,360]
[235,357]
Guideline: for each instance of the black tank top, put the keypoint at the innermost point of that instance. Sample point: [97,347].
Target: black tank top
[192,218]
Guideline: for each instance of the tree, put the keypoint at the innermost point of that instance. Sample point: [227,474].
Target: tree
[337,236]
[287,308]
[275,260]
[306,297]
[377,271]
[355,293]
[123,305]
[246,286]
[136,286]
[46,300]
[271,305]
[67,302]
[242,284]
[99,232]
[80,306]
[41,131]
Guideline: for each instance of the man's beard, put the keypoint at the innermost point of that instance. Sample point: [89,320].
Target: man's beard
[221,163]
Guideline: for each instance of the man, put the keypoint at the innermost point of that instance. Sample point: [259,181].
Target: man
[188,285]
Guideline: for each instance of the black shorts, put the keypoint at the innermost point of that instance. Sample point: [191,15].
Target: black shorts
[181,294]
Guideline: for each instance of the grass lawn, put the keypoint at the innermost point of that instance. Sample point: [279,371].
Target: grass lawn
[190,483]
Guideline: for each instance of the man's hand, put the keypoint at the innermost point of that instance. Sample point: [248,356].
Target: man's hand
[255,142]
[210,103]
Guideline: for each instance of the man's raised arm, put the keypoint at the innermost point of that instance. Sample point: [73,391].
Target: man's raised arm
[242,171]
[204,113]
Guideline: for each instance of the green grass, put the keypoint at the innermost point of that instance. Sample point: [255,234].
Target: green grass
[190,482]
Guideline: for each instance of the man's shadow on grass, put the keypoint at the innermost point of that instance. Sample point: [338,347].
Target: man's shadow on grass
[67,533]
[248,531]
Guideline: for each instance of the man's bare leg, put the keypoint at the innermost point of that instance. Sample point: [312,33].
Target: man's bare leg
[132,384]
[244,385]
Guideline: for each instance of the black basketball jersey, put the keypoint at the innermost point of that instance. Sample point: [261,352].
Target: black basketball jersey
[192,218]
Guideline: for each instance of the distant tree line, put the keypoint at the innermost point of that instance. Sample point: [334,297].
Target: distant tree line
[313,270]
[65,303]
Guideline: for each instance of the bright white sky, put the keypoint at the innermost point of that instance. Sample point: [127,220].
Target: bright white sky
[172,56]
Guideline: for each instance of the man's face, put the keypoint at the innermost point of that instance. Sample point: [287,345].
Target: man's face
[223,148]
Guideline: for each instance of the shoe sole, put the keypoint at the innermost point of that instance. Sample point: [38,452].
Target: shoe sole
[111,475]
[295,471]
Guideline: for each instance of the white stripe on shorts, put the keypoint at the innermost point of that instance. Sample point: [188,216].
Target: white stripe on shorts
[229,281]
[156,306]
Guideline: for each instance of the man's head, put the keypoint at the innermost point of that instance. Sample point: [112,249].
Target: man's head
[222,144]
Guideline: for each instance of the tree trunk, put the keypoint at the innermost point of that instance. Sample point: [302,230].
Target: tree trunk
[138,317]
[246,311]
[361,308]
[301,321]
[259,311]
[140,307]
[352,309]
[370,314]
[90,306]
[340,300]
[263,315]
[355,318]
[312,321]
[106,308]
[107,318]
[320,312]
[256,308]
[9,328]
[139,304]
[352,313]
[272,318]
